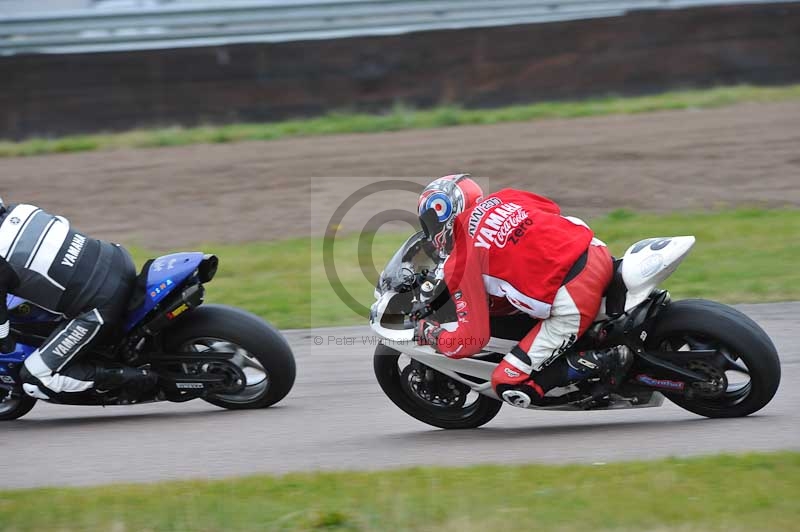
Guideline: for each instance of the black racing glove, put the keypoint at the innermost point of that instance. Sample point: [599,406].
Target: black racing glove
[8,281]
[8,344]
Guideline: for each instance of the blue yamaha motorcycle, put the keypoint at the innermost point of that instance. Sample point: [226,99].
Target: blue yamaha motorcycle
[221,354]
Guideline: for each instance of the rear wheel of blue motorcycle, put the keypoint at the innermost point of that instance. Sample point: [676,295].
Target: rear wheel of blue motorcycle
[15,407]
[263,349]
[462,414]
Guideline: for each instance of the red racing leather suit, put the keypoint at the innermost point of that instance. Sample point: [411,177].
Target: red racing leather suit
[515,246]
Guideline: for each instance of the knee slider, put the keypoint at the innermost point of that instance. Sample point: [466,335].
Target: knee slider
[521,395]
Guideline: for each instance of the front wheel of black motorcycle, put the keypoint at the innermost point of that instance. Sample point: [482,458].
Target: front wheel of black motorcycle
[432,398]
[747,372]
[261,353]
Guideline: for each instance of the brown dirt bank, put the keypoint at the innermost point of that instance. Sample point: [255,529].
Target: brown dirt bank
[743,155]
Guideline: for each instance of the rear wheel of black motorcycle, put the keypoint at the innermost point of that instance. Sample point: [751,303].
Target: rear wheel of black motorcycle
[463,415]
[15,407]
[752,369]
[262,347]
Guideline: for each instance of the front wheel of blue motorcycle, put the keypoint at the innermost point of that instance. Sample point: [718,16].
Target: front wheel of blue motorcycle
[261,353]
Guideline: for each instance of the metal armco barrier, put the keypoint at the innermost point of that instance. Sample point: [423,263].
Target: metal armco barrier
[236,22]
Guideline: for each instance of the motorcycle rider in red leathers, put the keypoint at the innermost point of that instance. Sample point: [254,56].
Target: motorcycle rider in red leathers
[512,252]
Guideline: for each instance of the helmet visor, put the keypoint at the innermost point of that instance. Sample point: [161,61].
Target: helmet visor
[430,223]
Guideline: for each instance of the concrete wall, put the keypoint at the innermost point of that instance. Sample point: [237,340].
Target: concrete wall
[640,53]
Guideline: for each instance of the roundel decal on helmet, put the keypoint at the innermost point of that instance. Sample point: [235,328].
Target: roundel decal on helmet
[440,203]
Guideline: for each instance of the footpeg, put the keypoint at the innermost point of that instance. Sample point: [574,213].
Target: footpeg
[600,392]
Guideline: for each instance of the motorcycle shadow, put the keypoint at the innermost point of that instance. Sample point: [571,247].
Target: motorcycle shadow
[129,417]
[574,430]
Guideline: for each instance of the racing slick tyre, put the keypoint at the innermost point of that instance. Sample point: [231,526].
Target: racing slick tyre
[748,372]
[262,353]
[16,407]
[449,406]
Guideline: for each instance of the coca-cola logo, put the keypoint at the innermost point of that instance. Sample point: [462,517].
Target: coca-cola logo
[499,226]
[512,223]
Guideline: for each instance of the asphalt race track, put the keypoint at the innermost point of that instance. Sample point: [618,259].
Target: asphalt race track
[337,418]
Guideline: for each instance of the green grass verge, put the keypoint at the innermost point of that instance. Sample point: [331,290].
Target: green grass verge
[740,256]
[398,119]
[725,493]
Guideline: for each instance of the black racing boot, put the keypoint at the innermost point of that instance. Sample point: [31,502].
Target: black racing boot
[133,384]
[608,364]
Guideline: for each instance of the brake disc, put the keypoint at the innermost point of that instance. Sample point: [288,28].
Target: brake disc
[433,388]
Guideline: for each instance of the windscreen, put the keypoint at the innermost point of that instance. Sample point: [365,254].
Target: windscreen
[412,257]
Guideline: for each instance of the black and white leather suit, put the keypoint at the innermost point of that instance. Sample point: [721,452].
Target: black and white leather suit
[88,281]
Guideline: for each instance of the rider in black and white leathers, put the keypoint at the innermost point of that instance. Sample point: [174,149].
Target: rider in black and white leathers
[45,261]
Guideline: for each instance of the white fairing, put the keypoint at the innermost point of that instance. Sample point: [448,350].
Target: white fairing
[377,312]
[402,340]
[648,263]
